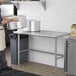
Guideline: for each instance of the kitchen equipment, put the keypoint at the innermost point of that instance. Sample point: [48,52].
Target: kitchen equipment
[35,25]
[22,23]
[17,25]
[28,27]
[8,9]
[14,48]
[70,57]
[12,25]
[32,25]
[73,30]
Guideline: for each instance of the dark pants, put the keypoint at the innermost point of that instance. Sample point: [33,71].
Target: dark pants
[3,62]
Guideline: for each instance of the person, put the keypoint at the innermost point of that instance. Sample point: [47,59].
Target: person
[3,21]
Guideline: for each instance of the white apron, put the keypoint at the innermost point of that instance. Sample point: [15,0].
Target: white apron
[2,38]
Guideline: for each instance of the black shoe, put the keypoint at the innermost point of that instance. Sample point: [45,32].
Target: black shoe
[7,68]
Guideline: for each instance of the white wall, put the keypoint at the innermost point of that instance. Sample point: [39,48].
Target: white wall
[58,16]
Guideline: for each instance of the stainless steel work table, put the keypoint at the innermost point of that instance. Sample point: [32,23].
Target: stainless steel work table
[48,34]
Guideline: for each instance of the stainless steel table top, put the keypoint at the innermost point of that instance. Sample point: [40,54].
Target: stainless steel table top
[44,33]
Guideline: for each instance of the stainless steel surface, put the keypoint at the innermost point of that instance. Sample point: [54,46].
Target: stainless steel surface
[17,25]
[18,49]
[32,25]
[56,56]
[71,57]
[60,55]
[43,33]
[22,23]
[35,25]
[48,34]
[23,50]
[12,25]
[66,56]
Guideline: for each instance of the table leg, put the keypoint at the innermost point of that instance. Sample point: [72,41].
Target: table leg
[28,47]
[56,56]
[18,49]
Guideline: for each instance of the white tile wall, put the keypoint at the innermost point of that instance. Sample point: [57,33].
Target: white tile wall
[59,16]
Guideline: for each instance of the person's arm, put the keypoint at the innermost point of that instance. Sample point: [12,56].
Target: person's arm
[4,17]
[5,20]
[0,19]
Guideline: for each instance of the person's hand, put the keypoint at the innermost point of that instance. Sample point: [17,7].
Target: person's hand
[14,19]
[4,17]
[8,20]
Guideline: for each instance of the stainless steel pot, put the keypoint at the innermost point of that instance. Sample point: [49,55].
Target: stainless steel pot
[35,25]
[17,25]
[12,26]
[32,25]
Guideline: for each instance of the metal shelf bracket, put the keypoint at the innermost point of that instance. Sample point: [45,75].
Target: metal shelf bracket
[43,4]
[16,3]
